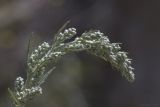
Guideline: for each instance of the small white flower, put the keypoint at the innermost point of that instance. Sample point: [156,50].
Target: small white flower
[36,51]
[66,32]
[42,59]
[39,47]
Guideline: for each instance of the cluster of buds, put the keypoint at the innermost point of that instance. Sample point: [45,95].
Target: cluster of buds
[67,34]
[37,55]
[22,92]
[22,95]
[70,32]
[19,83]
[96,43]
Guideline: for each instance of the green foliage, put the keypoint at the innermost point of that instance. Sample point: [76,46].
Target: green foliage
[42,61]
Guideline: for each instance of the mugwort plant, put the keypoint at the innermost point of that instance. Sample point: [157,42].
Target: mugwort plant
[42,60]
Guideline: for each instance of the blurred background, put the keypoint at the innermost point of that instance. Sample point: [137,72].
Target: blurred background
[83,80]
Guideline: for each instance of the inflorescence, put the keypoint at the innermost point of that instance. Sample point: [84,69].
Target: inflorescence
[42,61]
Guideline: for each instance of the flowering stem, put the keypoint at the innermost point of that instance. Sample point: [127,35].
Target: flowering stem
[43,60]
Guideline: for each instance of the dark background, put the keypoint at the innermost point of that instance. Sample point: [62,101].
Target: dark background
[83,80]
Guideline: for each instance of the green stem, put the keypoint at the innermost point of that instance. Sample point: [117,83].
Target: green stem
[20,105]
